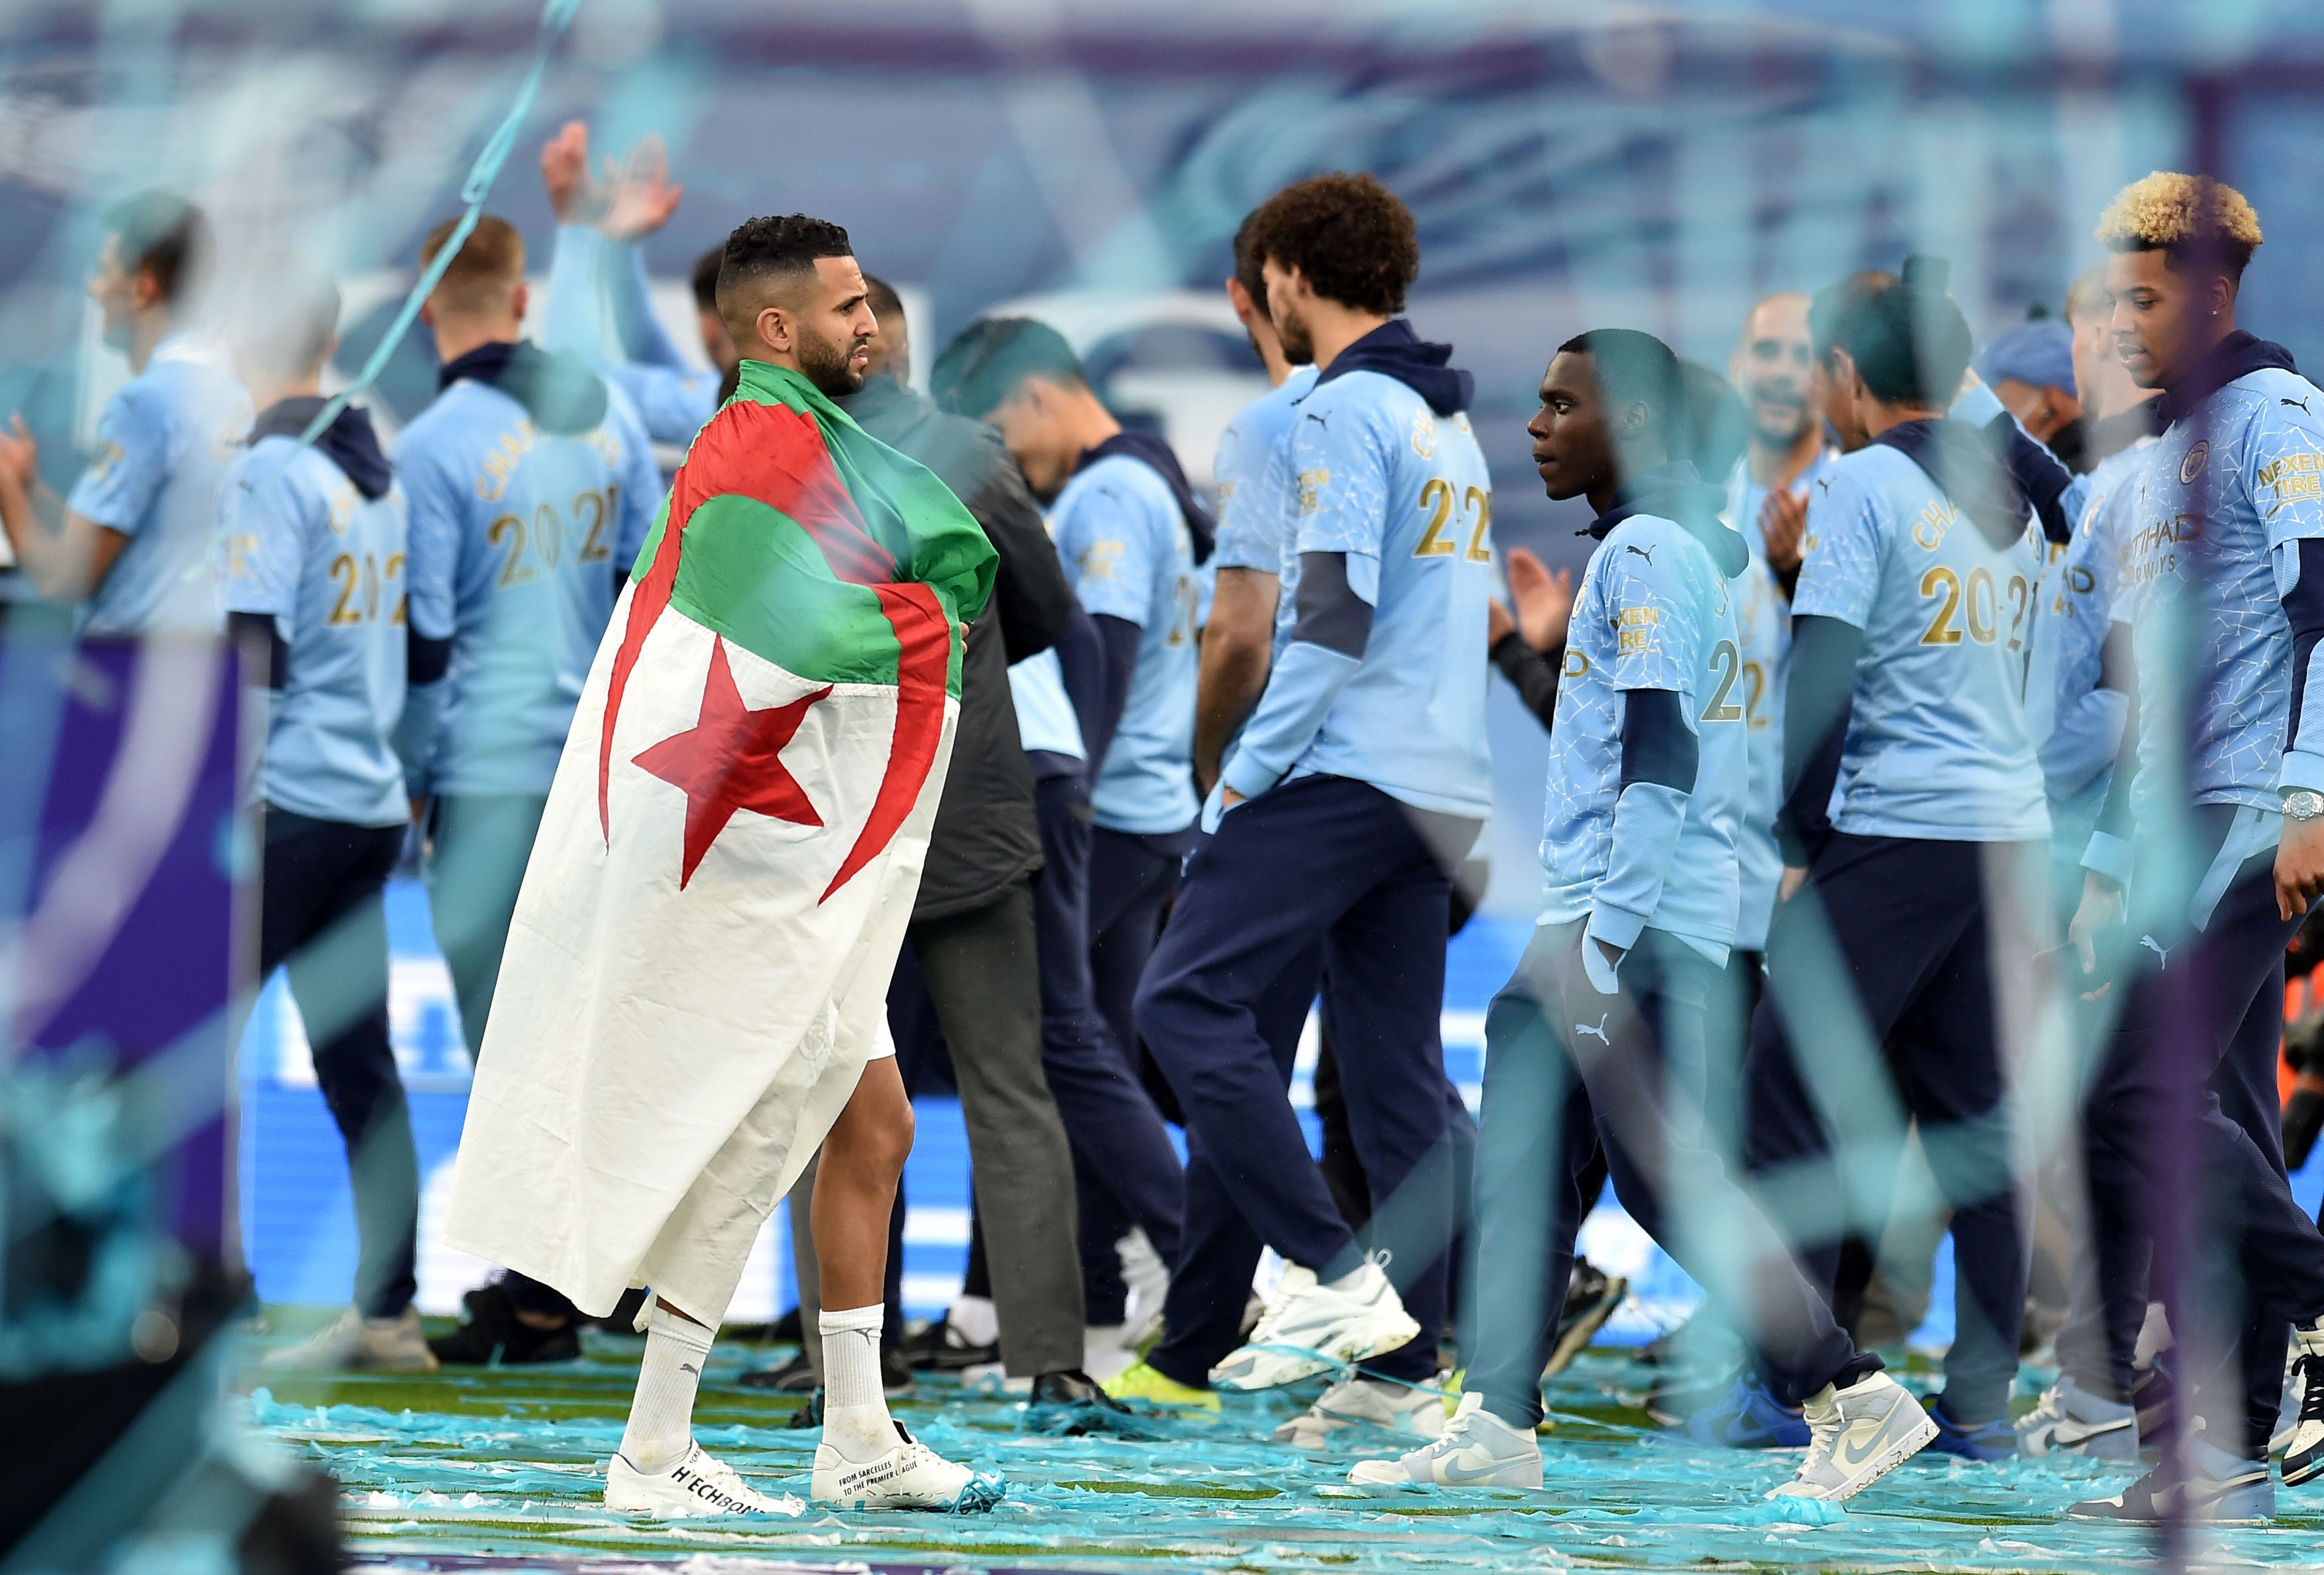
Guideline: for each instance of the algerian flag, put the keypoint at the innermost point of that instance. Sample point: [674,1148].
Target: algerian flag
[699,962]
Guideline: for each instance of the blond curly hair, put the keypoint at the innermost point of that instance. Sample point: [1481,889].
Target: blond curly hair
[2178,214]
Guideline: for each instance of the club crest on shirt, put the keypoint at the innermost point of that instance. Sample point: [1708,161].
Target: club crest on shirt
[2198,457]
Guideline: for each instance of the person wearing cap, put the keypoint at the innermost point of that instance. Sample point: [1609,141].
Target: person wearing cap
[2031,370]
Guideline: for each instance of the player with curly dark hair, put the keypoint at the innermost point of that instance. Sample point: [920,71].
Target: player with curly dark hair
[1345,239]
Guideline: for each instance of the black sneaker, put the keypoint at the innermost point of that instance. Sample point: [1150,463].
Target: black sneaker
[895,1373]
[938,1348]
[2156,1394]
[494,1334]
[809,1414]
[795,1376]
[1591,1297]
[1069,1404]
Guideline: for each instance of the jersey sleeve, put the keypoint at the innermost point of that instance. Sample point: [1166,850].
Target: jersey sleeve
[1655,641]
[1112,547]
[264,543]
[1840,572]
[1251,522]
[131,465]
[2283,466]
[1342,477]
[640,483]
[432,552]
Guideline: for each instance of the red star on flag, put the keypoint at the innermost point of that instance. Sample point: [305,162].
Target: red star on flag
[731,760]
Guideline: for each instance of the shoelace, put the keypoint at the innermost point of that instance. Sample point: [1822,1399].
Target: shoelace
[1822,1439]
[2310,1370]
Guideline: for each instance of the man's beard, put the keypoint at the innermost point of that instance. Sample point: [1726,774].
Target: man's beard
[830,366]
[1299,344]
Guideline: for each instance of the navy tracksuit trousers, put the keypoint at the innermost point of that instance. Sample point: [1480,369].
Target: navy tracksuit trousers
[1125,1171]
[1568,1071]
[1328,869]
[2184,1149]
[1889,948]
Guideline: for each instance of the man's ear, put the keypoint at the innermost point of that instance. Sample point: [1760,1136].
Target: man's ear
[2223,294]
[428,312]
[1636,418]
[144,291]
[518,302]
[774,327]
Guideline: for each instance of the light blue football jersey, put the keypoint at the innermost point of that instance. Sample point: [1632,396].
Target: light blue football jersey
[1406,494]
[517,537]
[1129,556]
[304,547]
[163,443]
[1045,722]
[1653,611]
[599,306]
[2243,475]
[1256,502]
[1937,746]
[2077,726]
[1764,619]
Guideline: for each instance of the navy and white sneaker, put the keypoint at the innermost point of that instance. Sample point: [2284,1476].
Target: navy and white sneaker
[1983,1441]
[2215,1488]
[2070,1420]
[2303,1445]
[1749,1417]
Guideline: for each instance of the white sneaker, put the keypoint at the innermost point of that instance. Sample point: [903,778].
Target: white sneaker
[1476,1450]
[1313,1329]
[1378,1402]
[699,1484]
[2070,1420]
[1856,1436]
[1149,1279]
[910,1476]
[353,1342]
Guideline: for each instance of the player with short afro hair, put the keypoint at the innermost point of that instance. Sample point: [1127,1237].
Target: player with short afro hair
[2185,217]
[1348,235]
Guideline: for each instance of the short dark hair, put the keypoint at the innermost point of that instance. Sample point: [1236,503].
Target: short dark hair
[1909,341]
[1249,266]
[1348,234]
[1834,300]
[886,304]
[775,246]
[705,277]
[1632,367]
[981,368]
[159,233]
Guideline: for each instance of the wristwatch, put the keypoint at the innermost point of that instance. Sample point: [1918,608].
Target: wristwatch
[2303,803]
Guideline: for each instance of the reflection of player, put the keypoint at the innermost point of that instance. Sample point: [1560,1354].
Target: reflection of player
[1602,1035]
[530,486]
[696,976]
[1911,612]
[312,573]
[129,545]
[2182,1124]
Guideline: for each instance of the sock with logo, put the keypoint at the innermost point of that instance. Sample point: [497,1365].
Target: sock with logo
[661,1418]
[854,1403]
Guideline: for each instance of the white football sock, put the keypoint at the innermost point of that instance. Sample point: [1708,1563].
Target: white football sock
[662,1417]
[855,1419]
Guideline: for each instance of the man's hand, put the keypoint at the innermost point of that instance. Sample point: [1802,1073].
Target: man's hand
[2298,867]
[1795,877]
[2101,910]
[643,197]
[573,197]
[1783,522]
[1229,799]
[20,455]
[1545,600]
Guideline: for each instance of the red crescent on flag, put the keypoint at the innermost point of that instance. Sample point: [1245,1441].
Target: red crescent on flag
[924,653]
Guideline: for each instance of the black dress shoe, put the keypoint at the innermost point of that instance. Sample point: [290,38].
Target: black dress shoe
[494,1331]
[938,1348]
[1069,1403]
[809,1414]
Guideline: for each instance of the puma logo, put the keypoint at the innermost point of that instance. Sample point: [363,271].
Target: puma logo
[1646,552]
[1599,1030]
[1322,421]
[1823,484]
[2300,405]
[2161,951]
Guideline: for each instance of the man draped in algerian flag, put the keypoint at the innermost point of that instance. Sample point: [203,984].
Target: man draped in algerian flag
[693,996]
